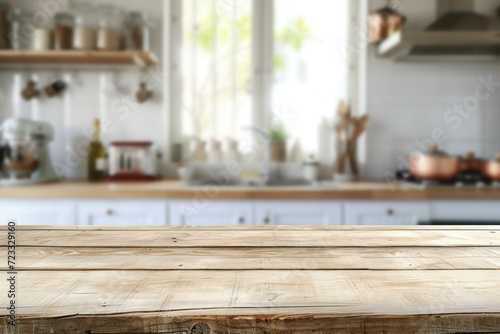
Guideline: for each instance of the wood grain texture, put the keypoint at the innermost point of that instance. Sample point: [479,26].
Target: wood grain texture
[176,190]
[256,280]
[261,238]
[360,258]
[76,57]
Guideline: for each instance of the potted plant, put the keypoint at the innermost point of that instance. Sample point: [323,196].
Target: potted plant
[277,140]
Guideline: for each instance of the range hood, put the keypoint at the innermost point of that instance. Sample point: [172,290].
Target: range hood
[458,34]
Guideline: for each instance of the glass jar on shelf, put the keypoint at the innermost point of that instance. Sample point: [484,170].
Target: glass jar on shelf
[64,25]
[138,32]
[85,32]
[14,34]
[23,34]
[4,24]
[110,33]
[42,37]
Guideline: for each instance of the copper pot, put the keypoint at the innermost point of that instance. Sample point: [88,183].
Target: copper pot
[471,165]
[434,165]
[491,169]
[385,22]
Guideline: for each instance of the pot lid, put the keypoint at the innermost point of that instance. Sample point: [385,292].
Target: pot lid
[470,156]
[434,151]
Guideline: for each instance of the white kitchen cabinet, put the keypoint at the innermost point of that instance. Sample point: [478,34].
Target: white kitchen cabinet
[227,213]
[122,213]
[386,213]
[211,213]
[298,213]
[474,212]
[38,212]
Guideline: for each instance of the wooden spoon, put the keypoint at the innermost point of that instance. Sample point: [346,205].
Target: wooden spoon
[360,125]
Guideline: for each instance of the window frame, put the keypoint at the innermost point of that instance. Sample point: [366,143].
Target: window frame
[263,66]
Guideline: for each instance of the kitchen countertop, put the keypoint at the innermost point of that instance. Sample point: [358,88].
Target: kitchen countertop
[177,190]
[255,280]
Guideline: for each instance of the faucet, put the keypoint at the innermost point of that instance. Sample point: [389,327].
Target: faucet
[265,171]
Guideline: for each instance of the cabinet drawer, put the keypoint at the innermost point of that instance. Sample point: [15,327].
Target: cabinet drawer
[468,211]
[38,212]
[211,213]
[386,213]
[298,213]
[122,213]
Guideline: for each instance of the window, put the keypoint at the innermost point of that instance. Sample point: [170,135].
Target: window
[310,68]
[252,62]
[216,67]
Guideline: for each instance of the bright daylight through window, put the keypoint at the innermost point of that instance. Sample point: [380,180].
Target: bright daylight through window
[222,43]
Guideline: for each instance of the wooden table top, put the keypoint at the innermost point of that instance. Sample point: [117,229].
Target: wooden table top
[344,279]
[177,190]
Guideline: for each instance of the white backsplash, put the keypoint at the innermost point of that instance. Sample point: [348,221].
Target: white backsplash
[407,101]
[91,93]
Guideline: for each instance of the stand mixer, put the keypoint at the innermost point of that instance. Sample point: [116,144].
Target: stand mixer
[24,152]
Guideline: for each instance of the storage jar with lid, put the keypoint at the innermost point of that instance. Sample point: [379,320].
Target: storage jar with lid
[84,35]
[42,39]
[138,31]
[64,25]
[110,33]
[4,24]
[14,34]
[21,30]
[311,169]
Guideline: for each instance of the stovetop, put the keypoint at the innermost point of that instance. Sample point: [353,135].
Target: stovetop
[462,180]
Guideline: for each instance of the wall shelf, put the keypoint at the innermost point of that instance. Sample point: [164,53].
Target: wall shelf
[28,57]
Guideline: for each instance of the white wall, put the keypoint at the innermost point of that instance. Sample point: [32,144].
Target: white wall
[408,100]
[90,95]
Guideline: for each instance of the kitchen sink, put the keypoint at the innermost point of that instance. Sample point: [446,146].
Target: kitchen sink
[290,183]
[273,183]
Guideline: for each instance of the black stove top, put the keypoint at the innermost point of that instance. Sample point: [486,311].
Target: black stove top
[470,180]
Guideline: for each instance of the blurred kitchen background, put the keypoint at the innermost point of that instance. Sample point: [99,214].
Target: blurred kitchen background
[302,83]
[304,92]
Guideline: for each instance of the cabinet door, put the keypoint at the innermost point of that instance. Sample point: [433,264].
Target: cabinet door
[211,213]
[122,213]
[298,213]
[38,212]
[466,211]
[386,213]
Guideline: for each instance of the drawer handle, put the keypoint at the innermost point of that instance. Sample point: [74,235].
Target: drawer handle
[241,220]
[110,212]
[267,221]
[390,212]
